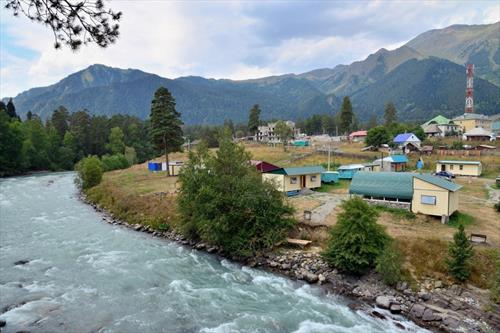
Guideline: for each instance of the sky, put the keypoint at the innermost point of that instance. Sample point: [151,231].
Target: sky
[230,39]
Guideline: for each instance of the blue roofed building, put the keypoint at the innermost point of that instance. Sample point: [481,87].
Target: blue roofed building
[407,142]
[395,163]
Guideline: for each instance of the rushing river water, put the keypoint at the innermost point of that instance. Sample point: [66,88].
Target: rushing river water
[84,275]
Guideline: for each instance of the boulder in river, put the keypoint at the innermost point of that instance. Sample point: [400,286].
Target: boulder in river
[21,262]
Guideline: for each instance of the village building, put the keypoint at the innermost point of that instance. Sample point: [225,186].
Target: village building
[266,133]
[293,180]
[174,167]
[434,196]
[495,125]
[263,166]
[407,142]
[358,136]
[460,168]
[469,121]
[440,126]
[395,163]
[419,193]
[348,171]
[478,134]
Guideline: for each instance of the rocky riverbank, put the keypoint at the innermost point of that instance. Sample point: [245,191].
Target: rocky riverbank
[435,306]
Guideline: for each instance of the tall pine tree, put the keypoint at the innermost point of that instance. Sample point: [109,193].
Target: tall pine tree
[254,119]
[166,131]
[459,253]
[390,114]
[11,109]
[346,115]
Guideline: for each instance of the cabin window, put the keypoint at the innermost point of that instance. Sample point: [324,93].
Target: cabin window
[451,167]
[461,167]
[428,199]
[313,178]
[293,180]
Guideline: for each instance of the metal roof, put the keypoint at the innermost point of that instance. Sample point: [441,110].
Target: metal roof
[351,167]
[471,116]
[395,185]
[460,162]
[439,181]
[439,120]
[478,131]
[404,137]
[307,170]
[399,158]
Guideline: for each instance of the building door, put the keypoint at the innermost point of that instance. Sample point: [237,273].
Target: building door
[302,181]
[443,167]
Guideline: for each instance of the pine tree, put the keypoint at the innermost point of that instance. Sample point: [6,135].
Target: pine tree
[254,119]
[459,253]
[29,115]
[11,109]
[60,120]
[390,114]
[346,115]
[372,122]
[356,240]
[166,131]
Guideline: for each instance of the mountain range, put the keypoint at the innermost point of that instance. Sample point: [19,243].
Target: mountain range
[423,78]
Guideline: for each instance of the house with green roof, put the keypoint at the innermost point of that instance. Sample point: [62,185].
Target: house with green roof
[419,193]
[293,180]
[440,126]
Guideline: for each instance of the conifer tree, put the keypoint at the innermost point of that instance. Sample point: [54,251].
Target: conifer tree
[390,114]
[254,119]
[11,109]
[116,145]
[356,240]
[346,115]
[166,131]
[459,253]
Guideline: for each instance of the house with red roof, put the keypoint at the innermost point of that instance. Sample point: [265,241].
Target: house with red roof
[358,136]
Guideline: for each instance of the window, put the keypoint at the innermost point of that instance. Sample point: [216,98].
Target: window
[428,199]
[313,178]
[451,167]
[461,167]
[293,180]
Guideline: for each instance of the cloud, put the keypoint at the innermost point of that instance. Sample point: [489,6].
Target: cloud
[234,40]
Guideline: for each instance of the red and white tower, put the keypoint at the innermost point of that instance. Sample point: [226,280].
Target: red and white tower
[469,99]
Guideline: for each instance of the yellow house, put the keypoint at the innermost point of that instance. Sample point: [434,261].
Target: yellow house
[420,193]
[434,196]
[469,121]
[292,180]
[460,168]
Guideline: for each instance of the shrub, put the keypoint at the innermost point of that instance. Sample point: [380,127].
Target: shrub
[224,202]
[89,172]
[356,240]
[457,145]
[497,207]
[459,253]
[114,162]
[459,218]
[390,264]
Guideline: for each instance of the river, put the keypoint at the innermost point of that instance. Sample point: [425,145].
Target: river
[83,275]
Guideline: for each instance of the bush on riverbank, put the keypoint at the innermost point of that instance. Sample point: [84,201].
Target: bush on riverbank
[356,240]
[390,264]
[89,172]
[114,162]
[224,202]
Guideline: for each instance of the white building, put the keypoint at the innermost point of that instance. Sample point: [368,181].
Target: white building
[266,133]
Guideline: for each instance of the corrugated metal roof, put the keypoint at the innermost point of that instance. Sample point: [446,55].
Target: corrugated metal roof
[307,170]
[399,158]
[439,181]
[460,162]
[351,167]
[403,137]
[440,120]
[396,185]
